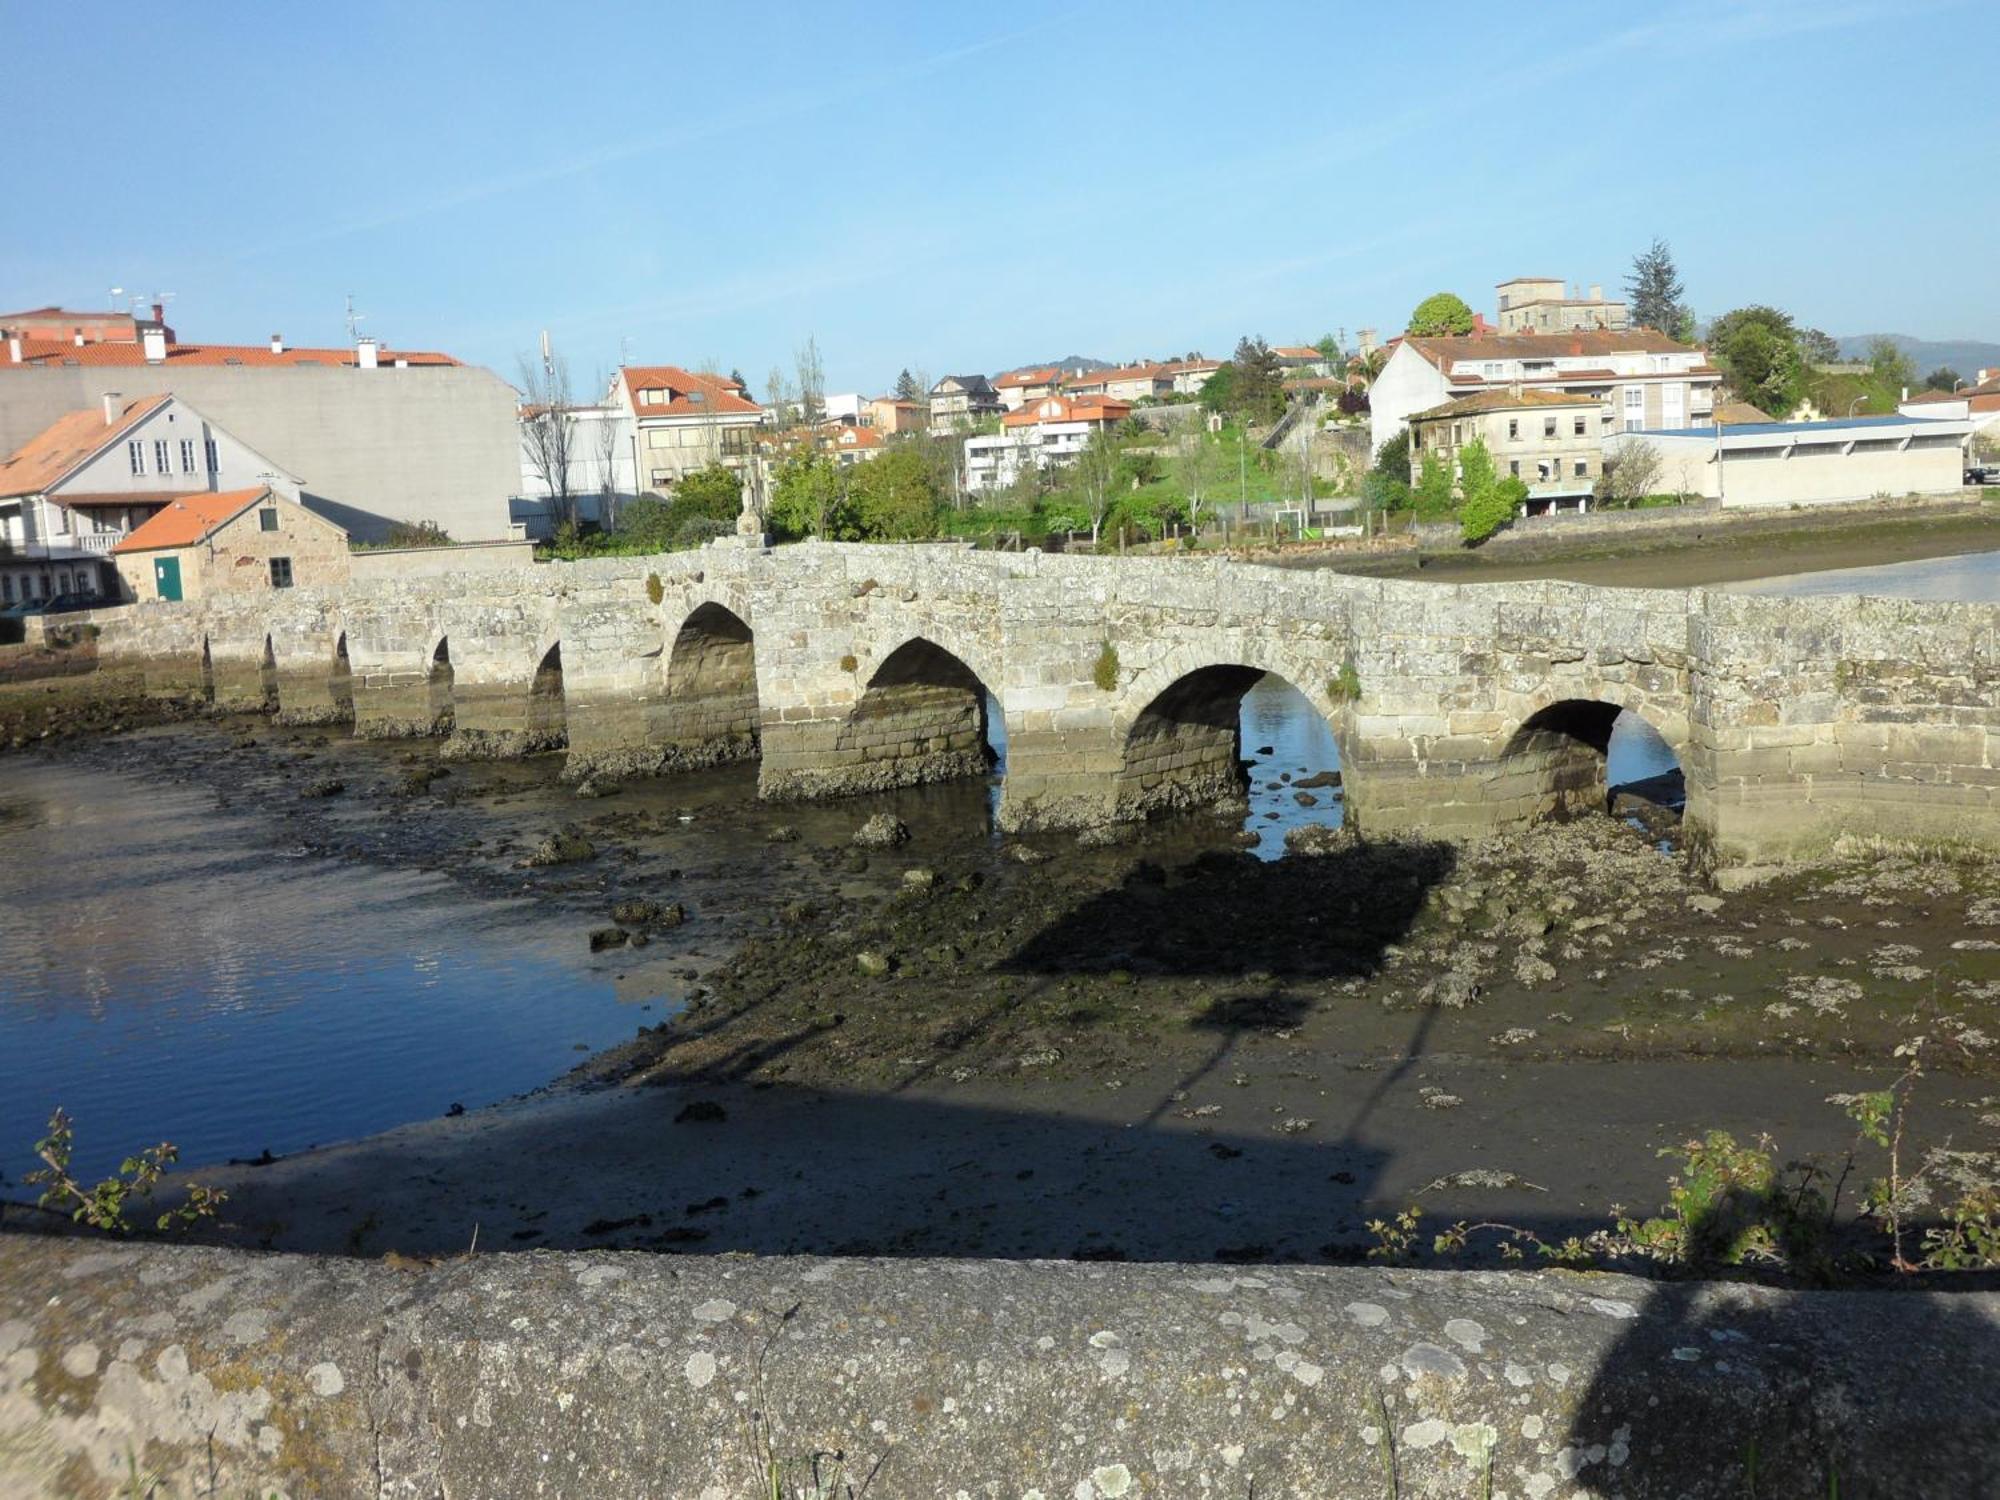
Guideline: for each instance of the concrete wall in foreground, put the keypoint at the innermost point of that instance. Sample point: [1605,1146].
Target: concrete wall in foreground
[1455,708]
[218,1372]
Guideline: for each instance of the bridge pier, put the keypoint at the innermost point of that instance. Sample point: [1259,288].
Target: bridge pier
[243,673]
[498,715]
[315,679]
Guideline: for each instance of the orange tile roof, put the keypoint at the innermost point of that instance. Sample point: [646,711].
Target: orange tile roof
[723,396]
[857,437]
[67,443]
[1048,375]
[62,352]
[1189,366]
[187,521]
[1071,409]
[1297,351]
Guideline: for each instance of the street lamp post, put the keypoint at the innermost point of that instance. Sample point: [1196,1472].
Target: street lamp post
[1857,401]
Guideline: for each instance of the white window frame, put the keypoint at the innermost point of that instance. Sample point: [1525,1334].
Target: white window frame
[187,455]
[163,456]
[135,453]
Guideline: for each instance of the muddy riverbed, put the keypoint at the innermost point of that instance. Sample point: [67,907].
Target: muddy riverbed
[1170,1048]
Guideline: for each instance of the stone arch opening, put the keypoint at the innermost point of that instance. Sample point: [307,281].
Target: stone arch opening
[1185,750]
[711,688]
[340,680]
[1585,755]
[922,718]
[548,727]
[440,681]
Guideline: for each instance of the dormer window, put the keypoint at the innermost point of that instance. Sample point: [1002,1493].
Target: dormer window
[653,397]
[695,398]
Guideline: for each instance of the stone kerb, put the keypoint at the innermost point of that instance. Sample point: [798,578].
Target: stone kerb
[602,1374]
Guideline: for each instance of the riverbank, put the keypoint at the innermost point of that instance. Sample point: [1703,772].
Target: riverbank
[955,1046]
[1741,549]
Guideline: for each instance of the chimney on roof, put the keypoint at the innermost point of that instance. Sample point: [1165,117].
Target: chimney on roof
[154,337]
[13,348]
[114,403]
[277,343]
[367,353]
[79,338]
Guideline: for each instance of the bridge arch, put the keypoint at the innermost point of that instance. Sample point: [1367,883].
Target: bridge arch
[1558,760]
[547,723]
[440,685]
[922,717]
[1179,731]
[711,687]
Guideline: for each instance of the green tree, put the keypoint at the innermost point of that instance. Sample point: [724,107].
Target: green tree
[1653,292]
[1487,501]
[1441,313]
[1218,392]
[1943,378]
[1330,351]
[896,497]
[714,492]
[1757,350]
[1387,486]
[907,388]
[1891,365]
[1817,348]
[810,497]
[1431,495]
[1259,386]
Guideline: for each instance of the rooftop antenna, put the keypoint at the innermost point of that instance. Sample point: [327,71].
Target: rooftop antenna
[624,348]
[116,293]
[548,357]
[354,320]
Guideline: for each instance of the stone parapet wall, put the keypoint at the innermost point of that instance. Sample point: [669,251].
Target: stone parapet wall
[617,1374]
[1794,720]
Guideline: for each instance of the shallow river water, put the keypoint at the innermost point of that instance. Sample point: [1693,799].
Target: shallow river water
[167,971]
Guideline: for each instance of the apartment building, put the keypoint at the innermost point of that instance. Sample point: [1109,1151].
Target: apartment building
[683,421]
[960,401]
[1046,435]
[1639,378]
[1125,383]
[1018,387]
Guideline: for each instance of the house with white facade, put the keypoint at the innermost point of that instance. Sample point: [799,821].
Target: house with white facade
[852,445]
[683,421]
[1190,375]
[1046,435]
[1018,387]
[1640,378]
[1807,463]
[960,401]
[601,473]
[80,486]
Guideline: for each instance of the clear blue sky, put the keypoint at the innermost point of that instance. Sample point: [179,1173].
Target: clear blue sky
[967,187]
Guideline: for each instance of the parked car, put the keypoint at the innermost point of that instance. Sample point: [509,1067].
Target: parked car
[1982,474]
[55,604]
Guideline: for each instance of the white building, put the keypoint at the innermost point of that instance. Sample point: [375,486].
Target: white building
[1047,434]
[1807,463]
[602,455]
[1641,379]
[81,485]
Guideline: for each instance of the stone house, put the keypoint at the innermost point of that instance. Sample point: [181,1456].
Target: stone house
[1548,440]
[1542,304]
[74,490]
[246,541]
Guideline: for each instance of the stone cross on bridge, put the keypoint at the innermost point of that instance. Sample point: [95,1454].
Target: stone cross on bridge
[1456,708]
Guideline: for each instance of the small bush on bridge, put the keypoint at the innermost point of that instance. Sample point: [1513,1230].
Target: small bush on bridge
[1105,673]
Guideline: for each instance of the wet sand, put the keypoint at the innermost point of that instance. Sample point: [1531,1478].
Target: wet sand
[1730,555]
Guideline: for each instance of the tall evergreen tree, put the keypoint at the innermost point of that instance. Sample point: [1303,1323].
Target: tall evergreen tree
[1259,388]
[906,387]
[1653,293]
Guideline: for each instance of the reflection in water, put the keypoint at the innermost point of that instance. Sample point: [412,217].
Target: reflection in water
[1285,740]
[164,976]
[1971,579]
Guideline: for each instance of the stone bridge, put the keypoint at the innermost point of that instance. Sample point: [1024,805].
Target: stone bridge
[845,669]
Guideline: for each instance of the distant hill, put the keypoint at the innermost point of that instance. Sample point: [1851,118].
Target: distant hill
[1067,362]
[1962,355]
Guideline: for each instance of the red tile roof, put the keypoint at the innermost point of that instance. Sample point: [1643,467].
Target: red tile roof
[1297,351]
[1048,375]
[62,352]
[185,522]
[67,443]
[856,438]
[1152,370]
[720,395]
[1068,409]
